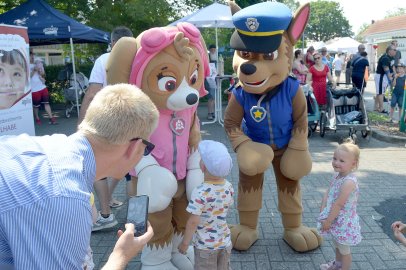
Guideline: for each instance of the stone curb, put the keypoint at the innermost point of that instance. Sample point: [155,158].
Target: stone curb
[379,135]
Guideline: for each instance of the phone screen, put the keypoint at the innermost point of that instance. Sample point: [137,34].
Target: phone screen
[137,213]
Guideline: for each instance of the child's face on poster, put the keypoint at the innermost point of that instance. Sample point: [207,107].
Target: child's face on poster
[12,84]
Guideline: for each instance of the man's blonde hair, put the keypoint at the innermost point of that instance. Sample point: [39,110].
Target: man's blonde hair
[119,113]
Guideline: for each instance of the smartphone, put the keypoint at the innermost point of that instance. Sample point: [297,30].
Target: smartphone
[137,213]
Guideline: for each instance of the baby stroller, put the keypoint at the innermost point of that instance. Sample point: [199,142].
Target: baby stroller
[345,111]
[313,112]
[82,83]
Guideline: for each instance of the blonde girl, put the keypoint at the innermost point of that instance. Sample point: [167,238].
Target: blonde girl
[338,213]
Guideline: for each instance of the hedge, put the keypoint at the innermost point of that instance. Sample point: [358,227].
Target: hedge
[56,87]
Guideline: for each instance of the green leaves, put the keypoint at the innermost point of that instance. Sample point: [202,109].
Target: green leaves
[327,21]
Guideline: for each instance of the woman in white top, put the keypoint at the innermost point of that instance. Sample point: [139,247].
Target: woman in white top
[39,90]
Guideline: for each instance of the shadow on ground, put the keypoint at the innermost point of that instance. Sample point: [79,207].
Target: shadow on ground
[391,210]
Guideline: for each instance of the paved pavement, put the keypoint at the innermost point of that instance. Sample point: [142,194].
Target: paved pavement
[381,176]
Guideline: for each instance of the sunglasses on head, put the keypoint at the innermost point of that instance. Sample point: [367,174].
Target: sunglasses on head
[148,145]
[316,58]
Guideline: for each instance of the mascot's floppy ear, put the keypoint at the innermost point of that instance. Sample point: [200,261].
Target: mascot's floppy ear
[298,23]
[120,61]
[233,7]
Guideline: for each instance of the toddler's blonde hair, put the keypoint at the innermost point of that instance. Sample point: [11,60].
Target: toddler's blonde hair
[349,146]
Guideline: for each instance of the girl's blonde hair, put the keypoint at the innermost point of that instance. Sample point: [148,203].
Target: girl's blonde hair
[349,146]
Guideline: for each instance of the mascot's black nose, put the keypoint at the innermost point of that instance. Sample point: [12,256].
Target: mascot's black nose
[191,99]
[248,69]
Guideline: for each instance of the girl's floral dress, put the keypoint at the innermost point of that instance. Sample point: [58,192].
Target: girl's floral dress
[345,229]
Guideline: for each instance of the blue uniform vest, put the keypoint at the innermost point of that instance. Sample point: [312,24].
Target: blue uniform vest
[276,126]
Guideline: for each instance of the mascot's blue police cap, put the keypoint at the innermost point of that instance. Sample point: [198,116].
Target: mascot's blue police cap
[259,27]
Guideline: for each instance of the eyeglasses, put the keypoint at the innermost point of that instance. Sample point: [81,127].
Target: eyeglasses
[148,145]
[316,58]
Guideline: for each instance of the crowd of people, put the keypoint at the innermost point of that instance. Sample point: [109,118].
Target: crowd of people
[389,75]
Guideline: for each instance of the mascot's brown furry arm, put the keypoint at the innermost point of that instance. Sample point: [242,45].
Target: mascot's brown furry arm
[266,120]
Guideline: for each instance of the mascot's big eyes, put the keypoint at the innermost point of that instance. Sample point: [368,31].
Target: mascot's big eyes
[260,56]
[270,56]
[167,83]
[193,77]
[245,54]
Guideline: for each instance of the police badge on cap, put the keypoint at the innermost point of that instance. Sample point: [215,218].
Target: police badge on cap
[259,27]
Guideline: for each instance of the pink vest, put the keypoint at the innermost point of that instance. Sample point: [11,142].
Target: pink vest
[172,150]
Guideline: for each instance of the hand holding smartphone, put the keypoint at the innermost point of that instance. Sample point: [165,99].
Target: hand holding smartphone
[137,213]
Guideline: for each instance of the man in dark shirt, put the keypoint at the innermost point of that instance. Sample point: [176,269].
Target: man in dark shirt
[358,71]
[383,76]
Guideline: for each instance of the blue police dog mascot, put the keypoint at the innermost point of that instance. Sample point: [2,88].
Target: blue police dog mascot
[266,120]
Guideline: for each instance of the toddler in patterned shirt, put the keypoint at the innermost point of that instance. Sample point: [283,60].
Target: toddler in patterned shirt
[338,213]
[208,207]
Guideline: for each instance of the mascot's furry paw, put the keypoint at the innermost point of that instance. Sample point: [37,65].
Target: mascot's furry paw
[295,164]
[242,237]
[302,239]
[254,158]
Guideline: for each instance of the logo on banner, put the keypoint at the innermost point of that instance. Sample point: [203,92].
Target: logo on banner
[51,30]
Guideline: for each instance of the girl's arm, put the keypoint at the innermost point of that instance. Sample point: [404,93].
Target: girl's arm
[345,192]
[191,227]
[324,201]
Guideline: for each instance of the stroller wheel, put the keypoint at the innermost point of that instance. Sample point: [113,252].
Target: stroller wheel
[354,137]
[323,121]
[67,113]
[313,126]
[364,133]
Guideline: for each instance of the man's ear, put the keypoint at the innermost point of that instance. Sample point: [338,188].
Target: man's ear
[298,23]
[132,148]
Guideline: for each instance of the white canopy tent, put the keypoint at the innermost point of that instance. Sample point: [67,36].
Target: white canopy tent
[344,44]
[317,45]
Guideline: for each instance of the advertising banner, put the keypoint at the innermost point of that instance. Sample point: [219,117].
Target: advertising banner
[16,114]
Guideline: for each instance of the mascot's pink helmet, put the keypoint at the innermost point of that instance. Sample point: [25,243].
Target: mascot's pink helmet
[156,39]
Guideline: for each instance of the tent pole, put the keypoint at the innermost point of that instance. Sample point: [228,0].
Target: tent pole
[217,51]
[74,75]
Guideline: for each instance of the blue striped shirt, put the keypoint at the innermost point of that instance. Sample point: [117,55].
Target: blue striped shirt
[45,212]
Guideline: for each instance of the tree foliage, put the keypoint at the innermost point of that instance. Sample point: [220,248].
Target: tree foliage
[395,12]
[327,21]
[362,28]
